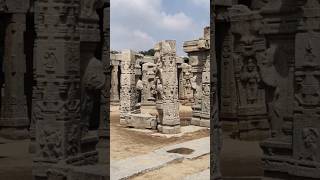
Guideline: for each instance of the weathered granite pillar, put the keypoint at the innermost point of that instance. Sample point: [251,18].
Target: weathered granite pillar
[57,105]
[215,130]
[104,124]
[128,89]
[306,125]
[13,118]
[148,79]
[199,53]
[167,86]
[115,84]
[185,87]
[249,50]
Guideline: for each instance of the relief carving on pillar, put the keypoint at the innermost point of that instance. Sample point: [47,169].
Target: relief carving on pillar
[167,87]
[186,90]
[307,97]
[3,6]
[249,53]
[148,82]
[92,84]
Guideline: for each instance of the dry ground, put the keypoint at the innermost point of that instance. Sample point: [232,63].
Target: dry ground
[126,143]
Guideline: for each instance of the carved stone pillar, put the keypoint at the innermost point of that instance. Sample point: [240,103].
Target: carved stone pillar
[128,89]
[56,109]
[199,53]
[167,86]
[306,125]
[185,87]
[114,85]
[13,118]
[249,51]
[148,79]
[104,123]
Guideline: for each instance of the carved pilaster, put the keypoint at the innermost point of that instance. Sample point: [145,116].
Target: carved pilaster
[249,51]
[13,116]
[306,126]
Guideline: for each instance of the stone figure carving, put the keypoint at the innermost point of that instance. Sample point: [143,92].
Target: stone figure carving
[92,83]
[3,6]
[88,7]
[197,91]
[310,138]
[149,82]
[250,78]
[186,82]
[50,144]
[250,48]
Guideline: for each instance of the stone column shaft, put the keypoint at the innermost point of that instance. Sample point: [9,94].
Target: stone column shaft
[14,118]
[115,84]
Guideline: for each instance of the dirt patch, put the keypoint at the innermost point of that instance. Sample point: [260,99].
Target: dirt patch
[127,143]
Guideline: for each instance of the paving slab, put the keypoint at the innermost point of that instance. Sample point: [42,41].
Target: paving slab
[204,175]
[127,168]
[124,169]
[199,147]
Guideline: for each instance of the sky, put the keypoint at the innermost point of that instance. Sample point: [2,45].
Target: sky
[140,24]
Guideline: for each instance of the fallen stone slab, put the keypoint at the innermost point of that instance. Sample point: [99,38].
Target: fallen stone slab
[204,175]
[124,169]
[190,149]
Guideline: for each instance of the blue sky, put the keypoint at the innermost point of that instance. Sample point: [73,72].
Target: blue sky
[139,24]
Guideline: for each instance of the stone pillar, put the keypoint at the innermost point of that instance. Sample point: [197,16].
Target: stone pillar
[148,95]
[104,124]
[148,79]
[14,119]
[249,52]
[56,108]
[185,87]
[306,126]
[199,53]
[215,130]
[167,86]
[128,89]
[114,85]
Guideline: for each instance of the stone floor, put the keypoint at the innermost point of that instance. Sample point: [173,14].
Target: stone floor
[240,159]
[134,166]
[15,161]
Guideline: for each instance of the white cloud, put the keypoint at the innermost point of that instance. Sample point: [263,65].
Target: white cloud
[176,22]
[201,3]
[139,24]
[123,38]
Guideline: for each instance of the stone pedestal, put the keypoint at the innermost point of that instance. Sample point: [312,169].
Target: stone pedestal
[13,117]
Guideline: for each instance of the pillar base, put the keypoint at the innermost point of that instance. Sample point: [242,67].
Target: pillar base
[169,129]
